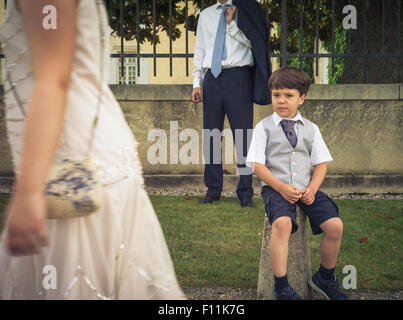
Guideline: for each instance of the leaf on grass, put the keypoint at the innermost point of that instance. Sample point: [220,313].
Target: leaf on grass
[363,239]
[389,218]
[188,198]
[378,217]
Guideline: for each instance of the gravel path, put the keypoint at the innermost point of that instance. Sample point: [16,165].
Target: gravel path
[5,188]
[226,293]
[232,194]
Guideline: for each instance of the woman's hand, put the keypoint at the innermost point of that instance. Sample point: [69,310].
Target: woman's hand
[26,225]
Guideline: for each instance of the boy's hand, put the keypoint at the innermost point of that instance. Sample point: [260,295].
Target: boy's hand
[308,196]
[290,193]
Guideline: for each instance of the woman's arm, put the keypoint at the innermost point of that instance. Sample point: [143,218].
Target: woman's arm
[52,53]
[51,59]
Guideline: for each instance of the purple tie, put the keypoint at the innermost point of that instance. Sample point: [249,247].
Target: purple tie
[288,128]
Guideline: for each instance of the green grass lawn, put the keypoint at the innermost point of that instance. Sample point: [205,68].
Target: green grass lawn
[219,244]
[214,244]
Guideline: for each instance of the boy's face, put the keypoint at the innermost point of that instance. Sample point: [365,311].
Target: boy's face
[286,102]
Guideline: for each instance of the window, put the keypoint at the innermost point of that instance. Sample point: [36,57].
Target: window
[129,77]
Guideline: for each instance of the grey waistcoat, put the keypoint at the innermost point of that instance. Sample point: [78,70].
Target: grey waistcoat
[289,165]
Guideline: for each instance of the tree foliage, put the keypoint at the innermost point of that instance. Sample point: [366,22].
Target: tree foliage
[179,11]
[145,18]
[322,17]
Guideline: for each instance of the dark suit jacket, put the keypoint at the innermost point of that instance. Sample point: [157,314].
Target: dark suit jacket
[253,23]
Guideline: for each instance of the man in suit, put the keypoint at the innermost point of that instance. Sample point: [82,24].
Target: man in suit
[224,53]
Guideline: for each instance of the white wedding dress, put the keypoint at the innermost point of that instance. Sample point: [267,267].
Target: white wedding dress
[119,252]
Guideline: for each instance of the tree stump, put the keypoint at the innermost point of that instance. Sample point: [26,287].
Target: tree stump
[299,262]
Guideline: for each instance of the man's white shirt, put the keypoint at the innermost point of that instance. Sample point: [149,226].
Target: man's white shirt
[238,46]
[257,149]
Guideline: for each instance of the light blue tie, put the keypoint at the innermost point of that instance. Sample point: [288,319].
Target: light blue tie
[220,52]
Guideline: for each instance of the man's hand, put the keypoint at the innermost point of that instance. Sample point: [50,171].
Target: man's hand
[196,95]
[230,13]
[290,193]
[308,196]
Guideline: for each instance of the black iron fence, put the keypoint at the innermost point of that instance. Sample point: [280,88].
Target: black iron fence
[360,37]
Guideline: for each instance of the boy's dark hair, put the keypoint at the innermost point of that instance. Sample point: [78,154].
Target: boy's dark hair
[290,78]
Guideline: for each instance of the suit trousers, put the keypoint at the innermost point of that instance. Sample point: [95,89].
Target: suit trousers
[231,94]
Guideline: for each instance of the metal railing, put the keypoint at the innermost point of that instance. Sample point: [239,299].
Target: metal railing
[284,54]
[281,53]
[138,55]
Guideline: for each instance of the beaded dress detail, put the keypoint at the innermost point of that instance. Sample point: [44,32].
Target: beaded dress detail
[119,252]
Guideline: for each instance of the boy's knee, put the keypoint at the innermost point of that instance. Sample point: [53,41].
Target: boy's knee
[282,225]
[335,228]
[338,227]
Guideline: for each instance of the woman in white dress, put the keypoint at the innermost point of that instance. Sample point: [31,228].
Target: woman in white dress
[119,252]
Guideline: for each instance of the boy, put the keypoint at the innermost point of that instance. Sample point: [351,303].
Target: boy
[283,149]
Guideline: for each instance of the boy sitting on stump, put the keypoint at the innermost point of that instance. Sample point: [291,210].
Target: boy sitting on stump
[283,149]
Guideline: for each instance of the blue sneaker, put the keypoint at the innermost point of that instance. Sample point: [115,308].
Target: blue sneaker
[329,288]
[287,293]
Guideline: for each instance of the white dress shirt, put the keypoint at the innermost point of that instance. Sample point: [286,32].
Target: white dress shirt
[238,46]
[256,153]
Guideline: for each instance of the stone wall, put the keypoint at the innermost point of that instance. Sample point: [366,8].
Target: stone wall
[361,124]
